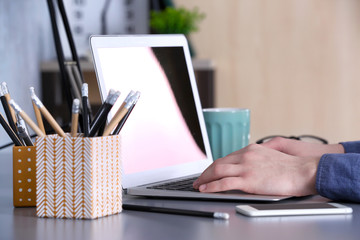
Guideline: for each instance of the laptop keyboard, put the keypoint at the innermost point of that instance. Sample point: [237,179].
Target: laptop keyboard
[180,185]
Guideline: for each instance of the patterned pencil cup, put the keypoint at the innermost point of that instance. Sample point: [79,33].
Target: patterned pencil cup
[78,177]
[24,176]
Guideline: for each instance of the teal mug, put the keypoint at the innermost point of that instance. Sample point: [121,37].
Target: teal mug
[228,129]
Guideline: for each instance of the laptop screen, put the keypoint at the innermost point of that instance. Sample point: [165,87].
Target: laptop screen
[163,130]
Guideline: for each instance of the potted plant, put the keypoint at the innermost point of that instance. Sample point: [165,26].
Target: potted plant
[176,21]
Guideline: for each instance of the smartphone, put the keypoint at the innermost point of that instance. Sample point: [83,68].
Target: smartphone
[293,209]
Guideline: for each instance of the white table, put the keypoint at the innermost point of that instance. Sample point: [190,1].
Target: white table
[22,223]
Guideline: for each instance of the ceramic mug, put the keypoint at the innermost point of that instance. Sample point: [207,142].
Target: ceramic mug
[228,129]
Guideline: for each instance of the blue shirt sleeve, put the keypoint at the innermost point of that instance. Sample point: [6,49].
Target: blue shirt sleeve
[338,175]
[351,147]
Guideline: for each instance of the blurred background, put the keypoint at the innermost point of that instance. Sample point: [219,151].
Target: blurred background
[294,64]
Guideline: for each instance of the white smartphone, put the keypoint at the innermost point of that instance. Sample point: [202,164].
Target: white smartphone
[257,210]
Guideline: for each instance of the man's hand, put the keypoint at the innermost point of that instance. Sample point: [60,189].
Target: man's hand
[260,169]
[302,149]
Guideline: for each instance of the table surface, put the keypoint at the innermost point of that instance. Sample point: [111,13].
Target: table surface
[22,223]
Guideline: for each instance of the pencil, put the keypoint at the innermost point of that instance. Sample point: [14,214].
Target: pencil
[85,94]
[217,215]
[102,107]
[118,116]
[130,94]
[26,118]
[22,131]
[101,115]
[5,90]
[37,111]
[102,127]
[9,131]
[48,117]
[123,121]
[6,106]
[75,117]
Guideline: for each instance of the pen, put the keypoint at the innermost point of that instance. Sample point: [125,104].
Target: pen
[8,111]
[48,117]
[75,117]
[119,114]
[9,131]
[122,122]
[85,95]
[104,110]
[27,119]
[22,131]
[37,111]
[217,215]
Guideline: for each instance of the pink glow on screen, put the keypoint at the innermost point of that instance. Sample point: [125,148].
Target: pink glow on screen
[156,134]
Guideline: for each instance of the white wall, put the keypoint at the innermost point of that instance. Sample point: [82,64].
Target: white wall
[25,40]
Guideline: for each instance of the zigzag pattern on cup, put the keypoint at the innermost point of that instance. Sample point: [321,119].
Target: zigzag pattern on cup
[78,177]
[41,192]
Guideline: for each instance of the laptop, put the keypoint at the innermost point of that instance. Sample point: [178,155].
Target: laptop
[164,143]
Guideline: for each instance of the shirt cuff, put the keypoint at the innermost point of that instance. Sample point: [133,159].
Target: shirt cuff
[337,177]
[351,147]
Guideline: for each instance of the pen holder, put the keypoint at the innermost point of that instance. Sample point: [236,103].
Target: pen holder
[24,176]
[78,177]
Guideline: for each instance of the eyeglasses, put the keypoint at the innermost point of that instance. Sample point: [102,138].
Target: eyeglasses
[305,138]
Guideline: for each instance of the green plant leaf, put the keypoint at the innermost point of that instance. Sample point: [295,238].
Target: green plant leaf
[176,20]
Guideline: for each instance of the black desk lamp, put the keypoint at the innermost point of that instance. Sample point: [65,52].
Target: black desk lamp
[68,69]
